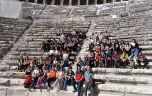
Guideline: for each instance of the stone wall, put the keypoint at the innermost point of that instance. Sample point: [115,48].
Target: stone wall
[72,2]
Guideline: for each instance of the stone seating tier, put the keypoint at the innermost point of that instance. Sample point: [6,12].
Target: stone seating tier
[109,81]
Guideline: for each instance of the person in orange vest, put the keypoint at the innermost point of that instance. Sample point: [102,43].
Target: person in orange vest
[51,76]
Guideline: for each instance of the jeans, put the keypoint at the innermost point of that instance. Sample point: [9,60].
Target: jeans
[88,85]
[34,81]
[61,83]
[79,86]
[71,81]
[49,80]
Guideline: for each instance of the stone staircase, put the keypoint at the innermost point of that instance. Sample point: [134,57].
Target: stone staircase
[11,31]
[109,81]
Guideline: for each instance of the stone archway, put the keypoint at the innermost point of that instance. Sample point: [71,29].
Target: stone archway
[74,2]
[66,2]
[57,2]
[117,0]
[40,1]
[109,1]
[48,2]
[82,2]
[100,2]
[22,0]
[91,2]
[31,1]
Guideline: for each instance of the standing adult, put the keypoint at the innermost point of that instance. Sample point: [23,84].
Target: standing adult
[89,84]
[79,80]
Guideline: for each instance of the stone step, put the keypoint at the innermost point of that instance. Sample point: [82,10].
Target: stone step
[4,67]
[146,47]
[123,71]
[16,78]
[20,91]
[12,74]
[124,79]
[104,90]
[144,90]
[147,52]
[11,82]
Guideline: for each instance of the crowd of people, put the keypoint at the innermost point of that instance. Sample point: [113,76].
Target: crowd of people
[55,69]
[105,52]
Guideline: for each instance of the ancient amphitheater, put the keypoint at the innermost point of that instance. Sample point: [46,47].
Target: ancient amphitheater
[25,36]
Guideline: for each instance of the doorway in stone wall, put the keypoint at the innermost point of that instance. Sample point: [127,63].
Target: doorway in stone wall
[22,0]
[82,2]
[100,2]
[48,2]
[109,1]
[40,1]
[32,1]
[91,2]
[118,0]
[66,2]
[74,2]
[57,2]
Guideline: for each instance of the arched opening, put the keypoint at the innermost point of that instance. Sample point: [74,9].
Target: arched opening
[91,2]
[74,2]
[57,2]
[31,1]
[109,1]
[118,0]
[40,1]
[48,2]
[82,2]
[100,2]
[22,0]
[66,2]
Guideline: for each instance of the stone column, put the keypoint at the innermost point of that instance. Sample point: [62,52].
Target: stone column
[104,1]
[53,2]
[113,1]
[35,1]
[61,2]
[70,2]
[78,2]
[44,1]
[95,2]
[87,2]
